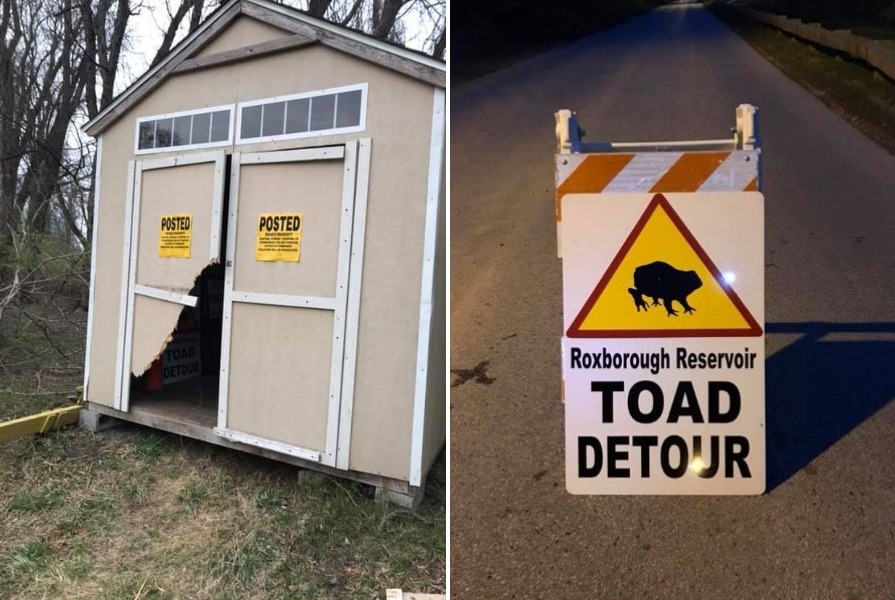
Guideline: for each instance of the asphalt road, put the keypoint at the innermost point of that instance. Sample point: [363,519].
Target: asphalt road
[826,526]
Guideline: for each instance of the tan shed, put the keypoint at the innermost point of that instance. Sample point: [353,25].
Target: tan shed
[268,250]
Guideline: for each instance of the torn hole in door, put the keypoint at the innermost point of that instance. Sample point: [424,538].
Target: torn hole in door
[159,323]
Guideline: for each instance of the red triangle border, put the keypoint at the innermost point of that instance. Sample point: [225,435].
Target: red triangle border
[575,331]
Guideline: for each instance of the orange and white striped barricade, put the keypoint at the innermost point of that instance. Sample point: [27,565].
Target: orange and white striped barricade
[722,165]
[663,312]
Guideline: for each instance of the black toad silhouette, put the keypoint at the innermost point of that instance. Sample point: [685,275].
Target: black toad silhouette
[661,281]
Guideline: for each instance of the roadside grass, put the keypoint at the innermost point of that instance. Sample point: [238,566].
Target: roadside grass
[139,514]
[850,88]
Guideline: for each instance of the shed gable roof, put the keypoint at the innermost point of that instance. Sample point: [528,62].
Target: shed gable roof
[302,30]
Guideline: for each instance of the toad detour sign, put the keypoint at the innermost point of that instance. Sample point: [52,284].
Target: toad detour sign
[663,353]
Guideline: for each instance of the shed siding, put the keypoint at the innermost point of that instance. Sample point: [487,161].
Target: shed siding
[399,123]
[110,224]
[243,32]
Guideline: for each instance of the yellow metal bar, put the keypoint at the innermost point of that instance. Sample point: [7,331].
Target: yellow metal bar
[39,423]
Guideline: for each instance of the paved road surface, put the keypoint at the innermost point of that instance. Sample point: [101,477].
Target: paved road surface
[826,528]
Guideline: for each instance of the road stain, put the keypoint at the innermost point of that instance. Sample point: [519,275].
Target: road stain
[478,374]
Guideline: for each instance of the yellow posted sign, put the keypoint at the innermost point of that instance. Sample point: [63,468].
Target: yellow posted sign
[175,236]
[279,237]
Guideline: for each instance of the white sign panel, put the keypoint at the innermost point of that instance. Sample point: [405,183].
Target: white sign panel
[181,359]
[663,353]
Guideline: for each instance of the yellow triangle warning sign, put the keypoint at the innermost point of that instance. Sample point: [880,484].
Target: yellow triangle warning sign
[662,284]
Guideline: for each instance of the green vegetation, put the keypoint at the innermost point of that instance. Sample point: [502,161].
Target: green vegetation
[38,501]
[133,513]
[850,88]
[43,314]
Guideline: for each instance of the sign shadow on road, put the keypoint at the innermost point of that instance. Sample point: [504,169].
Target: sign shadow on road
[819,388]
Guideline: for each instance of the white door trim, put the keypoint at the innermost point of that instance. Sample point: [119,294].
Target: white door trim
[181,161]
[130,288]
[124,367]
[125,285]
[285,300]
[349,365]
[166,295]
[279,156]
[349,183]
[252,440]
[227,312]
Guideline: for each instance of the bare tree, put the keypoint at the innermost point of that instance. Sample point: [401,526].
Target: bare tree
[105,29]
[319,8]
[43,74]
[107,26]
[59,59]
[382,19]
[433,12]
[440,43]
[193,8]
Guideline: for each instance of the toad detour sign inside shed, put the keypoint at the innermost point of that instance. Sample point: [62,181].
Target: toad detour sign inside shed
[270,202]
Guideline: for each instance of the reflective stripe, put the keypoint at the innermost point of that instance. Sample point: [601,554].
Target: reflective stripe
[689,172]
[592,175]
[643,172]
[656,172]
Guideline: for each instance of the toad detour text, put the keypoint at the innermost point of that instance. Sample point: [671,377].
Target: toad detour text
[663,354]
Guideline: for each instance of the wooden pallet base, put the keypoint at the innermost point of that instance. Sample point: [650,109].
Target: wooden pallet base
[177,421]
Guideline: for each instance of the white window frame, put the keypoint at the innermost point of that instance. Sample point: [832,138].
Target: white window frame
[363,87]
[186,113]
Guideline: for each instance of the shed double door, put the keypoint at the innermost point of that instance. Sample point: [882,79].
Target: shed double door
[289,335]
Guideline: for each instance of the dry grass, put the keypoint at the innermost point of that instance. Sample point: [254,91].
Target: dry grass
[139,514]
[136,514]
[41,358]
